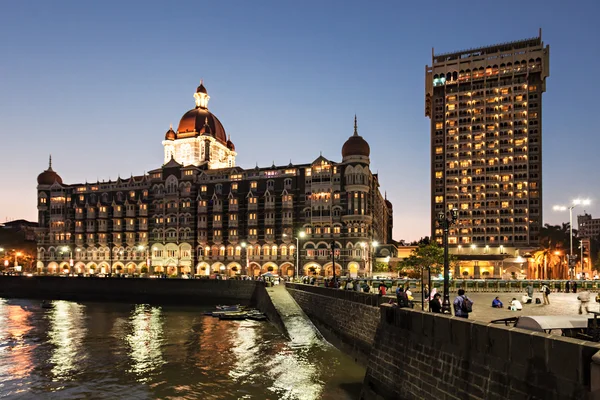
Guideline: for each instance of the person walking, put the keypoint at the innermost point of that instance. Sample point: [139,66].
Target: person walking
[545,292]
[435,305]
[584,298]
[567,286]
[401,298]
[574,287]
[462,305]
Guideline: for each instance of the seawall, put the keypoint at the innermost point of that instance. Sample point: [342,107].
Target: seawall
[138,290]
[412,354]
[347,319]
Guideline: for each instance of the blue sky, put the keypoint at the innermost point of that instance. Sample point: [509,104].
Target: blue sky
[97,85]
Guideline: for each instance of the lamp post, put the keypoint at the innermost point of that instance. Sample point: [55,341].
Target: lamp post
[301,235]
[575,203]
[332,246]
[141,248]
[243,244]
[445,219]
[66,249]
[374,245]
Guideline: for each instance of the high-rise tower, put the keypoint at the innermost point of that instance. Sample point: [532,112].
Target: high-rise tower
[485,107]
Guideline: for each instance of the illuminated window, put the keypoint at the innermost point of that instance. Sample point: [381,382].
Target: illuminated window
[203,188]
[438,174]
[439,199]
[252,216]
[234,186]
[252,200]
[464,206]
[253,185]
[505,204]
[439,150]
[439,125]
[217,218]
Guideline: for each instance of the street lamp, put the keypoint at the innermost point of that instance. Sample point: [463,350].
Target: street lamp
[67,249]
[332,246]
[301,235]
[445,219]
[576,202]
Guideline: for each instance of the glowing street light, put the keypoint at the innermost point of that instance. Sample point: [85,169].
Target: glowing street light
[575,203]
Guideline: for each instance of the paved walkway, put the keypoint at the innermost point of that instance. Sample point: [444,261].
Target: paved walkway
[560,304]
[300,329]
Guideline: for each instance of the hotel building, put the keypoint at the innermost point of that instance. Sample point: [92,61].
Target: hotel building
[201,214]
[485,107]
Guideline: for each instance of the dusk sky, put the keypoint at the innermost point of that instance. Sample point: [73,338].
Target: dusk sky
[96,85]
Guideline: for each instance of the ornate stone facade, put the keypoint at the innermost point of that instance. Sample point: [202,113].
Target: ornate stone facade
[201,214]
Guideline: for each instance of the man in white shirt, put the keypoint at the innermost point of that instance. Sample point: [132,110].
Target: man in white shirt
[515,305]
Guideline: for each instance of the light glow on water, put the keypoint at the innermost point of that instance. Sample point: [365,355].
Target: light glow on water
[95,350]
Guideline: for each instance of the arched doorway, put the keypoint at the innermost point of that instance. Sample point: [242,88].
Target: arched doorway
[329,270]
[312,269]
[203,269]
[287,269]
[254,269]
[353,269]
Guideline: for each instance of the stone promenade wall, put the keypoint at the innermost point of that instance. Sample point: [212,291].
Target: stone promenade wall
[416,355]
[421,355]
[345,318]
[181,291]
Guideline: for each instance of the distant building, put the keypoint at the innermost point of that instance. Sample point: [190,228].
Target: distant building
[27,228]
[485,106]
[200,213]
[588,227]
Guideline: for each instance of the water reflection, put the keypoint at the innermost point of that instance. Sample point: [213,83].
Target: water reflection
[145,341]
[101,350]
[66,332]
[16,362]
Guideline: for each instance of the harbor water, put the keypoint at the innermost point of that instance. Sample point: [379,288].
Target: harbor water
[115,351]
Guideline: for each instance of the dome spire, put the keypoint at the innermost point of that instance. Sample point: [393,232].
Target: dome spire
[355,126]
[50,163]
[201,96]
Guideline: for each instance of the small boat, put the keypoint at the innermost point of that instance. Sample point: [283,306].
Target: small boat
[229,308]
[46,304]
[257,317]
[234,315]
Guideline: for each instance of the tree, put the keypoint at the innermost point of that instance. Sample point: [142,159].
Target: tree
[426,255]
[597,262]
[381,267]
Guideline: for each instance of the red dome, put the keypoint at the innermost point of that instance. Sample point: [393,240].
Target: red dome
[48,177]
[230,144]
[356,146]
[170,135]
[194,120]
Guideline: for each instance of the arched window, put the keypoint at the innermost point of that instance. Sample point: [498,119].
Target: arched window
[171,184]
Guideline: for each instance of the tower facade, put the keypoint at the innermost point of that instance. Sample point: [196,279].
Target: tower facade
[485,107]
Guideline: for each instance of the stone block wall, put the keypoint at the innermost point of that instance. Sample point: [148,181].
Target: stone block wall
[134,290]
[422,355]
[345,318]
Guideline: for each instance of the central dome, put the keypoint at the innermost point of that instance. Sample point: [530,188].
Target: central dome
[195,121]
[200,120]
